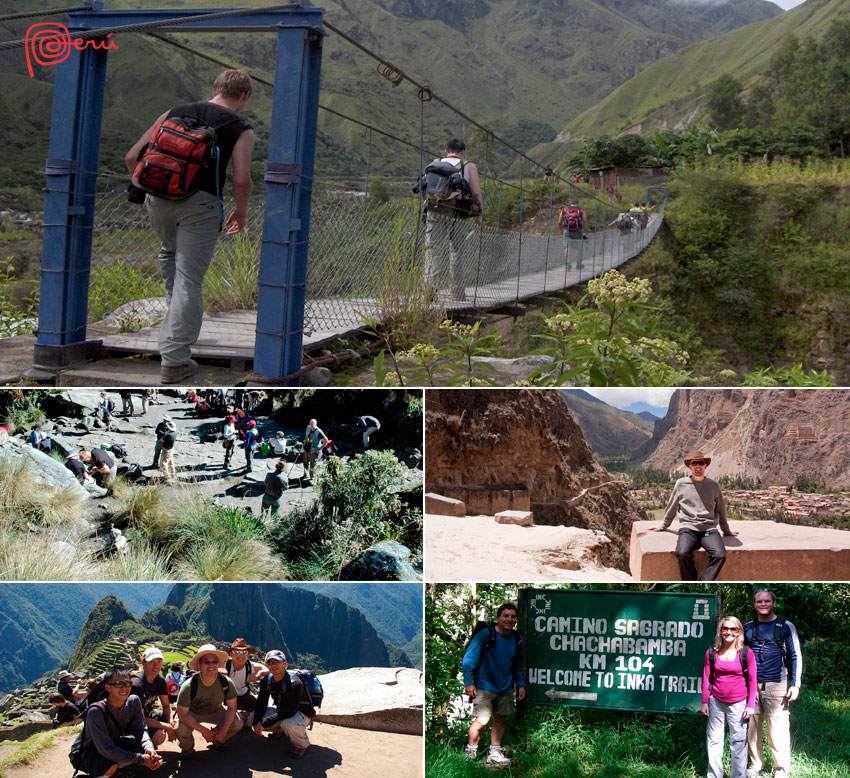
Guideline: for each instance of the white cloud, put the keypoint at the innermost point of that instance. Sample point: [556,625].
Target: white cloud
[621,397]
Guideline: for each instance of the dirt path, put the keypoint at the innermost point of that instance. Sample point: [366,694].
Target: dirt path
[336,752]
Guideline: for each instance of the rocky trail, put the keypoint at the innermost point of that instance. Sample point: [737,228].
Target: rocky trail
[336,752]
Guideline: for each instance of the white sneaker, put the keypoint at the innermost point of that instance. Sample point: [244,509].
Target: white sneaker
[496,758]
[471,753]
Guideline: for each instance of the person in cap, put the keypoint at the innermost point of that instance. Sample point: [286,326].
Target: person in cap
[284,716]
[243,672]
[228,439]
[64,687]
[168,441]
[149,686]
[114,734]
[697,503]
[159,431]
[314,441]
[209,697]
[252,437]
[275,484]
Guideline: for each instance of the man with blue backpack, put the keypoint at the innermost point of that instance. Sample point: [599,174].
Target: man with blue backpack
[451,193]
[179,169]
[779,662]
[492,666]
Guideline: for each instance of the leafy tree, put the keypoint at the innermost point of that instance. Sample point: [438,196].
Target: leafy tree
[378,191]
[725,107]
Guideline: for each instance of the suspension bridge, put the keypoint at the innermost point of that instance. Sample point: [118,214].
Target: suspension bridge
[317,261]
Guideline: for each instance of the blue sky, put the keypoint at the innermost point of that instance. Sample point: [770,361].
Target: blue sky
[625,396]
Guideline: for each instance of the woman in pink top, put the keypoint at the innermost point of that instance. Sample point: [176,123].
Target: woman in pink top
[730,699]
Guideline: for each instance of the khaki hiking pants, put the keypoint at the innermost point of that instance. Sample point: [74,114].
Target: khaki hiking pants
[772,708]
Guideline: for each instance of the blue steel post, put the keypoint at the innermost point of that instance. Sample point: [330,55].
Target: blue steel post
[69,209]
[289,184]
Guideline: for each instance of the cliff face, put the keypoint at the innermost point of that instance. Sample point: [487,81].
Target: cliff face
[525,439]
[297,621]
[771,434]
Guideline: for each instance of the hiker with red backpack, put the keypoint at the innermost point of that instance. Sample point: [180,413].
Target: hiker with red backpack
[452,193]
[729,682]
[492,666]
[573,221]
[179,169]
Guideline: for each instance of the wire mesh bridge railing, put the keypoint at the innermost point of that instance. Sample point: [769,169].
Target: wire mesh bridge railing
[364,258]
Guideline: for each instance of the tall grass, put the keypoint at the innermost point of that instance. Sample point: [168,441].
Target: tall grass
[231,282]
[24,499]
[27,557]
[234,558]
[140,561]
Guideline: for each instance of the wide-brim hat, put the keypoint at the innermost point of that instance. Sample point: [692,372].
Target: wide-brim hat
[63,674]
[208,648]
[240,643]
[697,455]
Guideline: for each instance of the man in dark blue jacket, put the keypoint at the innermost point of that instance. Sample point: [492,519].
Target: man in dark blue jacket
[285,717]
[492,665]
[779,661]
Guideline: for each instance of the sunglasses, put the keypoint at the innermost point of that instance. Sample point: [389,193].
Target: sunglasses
[729,629]
[120,684]
[697,463]
[208,662]
[239,652]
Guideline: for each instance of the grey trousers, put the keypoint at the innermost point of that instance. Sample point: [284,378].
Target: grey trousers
[187,230]
[445,235]
[720,716]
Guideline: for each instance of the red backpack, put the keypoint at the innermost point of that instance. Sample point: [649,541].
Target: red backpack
[572,218]
[179,148]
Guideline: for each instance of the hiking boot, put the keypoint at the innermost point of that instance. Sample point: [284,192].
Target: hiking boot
[296,753]
[496,758]
[176,373]
[471,753]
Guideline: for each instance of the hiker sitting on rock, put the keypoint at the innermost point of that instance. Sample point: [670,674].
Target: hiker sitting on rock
[208,697]
[65,713]
[148,686]
[114,734]
[284,718]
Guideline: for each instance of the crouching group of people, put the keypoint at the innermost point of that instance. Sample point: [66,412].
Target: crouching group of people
[215,701]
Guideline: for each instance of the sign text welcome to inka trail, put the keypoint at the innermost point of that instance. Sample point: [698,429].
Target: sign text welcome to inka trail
[626,650]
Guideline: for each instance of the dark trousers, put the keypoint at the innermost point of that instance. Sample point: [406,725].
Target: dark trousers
[689,541]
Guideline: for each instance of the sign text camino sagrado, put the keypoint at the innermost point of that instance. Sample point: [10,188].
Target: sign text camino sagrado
[626,650]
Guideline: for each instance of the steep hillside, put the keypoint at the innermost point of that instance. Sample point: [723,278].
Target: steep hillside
[673,90]
[774,435]
[40,623]
[525,439]
[526,65]
[301,623]
[609,431]
[102,620]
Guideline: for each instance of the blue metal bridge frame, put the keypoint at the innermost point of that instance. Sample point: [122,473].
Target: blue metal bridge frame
[71,182]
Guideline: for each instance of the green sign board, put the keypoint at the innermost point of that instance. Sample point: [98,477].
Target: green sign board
[625,650]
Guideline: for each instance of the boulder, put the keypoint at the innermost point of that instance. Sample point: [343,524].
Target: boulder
[77,403]
[385,561]
[509,372]
[30,722]
[318,376]
[444,506]
[380,698]
[522,518]
[47,470]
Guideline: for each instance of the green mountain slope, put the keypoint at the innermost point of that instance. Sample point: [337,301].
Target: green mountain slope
[526,65]
[673,90]
[40,623]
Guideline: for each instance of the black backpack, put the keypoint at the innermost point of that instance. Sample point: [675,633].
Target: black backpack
[775,638]
[229,664]
[444,186]
[490,642]
[312,693]
[742,657]
[119,450]
[75,756]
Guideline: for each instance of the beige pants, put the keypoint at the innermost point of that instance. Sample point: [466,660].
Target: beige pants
[185,734]
[166,462]
[295,727]
[772,708]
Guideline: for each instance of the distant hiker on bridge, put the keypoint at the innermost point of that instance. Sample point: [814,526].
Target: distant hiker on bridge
[243,672]
[184,204]
[209,697]
[492,665]
[573,221]
[114,734]
[452,193]
[284,716]
[150,686]
[779,662]
[697,503]
[728,697]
